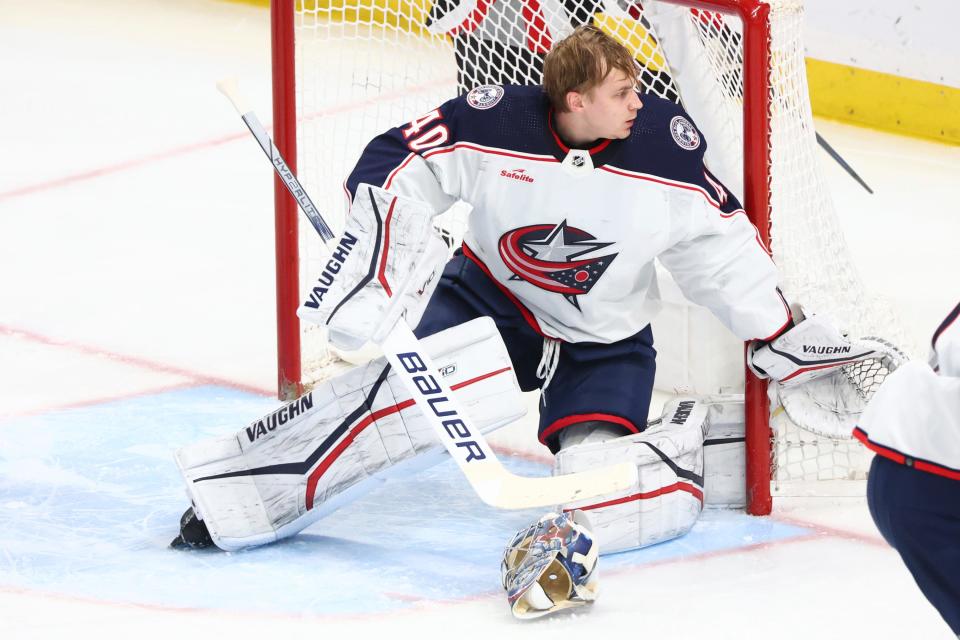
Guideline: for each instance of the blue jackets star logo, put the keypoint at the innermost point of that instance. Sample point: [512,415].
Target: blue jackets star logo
[555,258]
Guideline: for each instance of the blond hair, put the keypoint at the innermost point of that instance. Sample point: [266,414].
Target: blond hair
[581,61]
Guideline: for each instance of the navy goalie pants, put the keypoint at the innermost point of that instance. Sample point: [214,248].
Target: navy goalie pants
[918,514]
[593,382]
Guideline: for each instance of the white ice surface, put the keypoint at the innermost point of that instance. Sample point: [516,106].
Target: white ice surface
[136,313]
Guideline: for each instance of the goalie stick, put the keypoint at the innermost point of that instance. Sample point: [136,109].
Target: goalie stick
[492,482]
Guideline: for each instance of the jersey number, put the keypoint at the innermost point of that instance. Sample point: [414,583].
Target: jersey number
[421,138]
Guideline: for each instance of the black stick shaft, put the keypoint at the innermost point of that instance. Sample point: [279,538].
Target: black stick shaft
[843,163]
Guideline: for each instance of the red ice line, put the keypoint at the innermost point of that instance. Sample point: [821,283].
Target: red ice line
[195,379]
[207,144]
[421,604]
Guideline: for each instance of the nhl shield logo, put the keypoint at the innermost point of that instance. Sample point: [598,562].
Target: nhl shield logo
[485,97]
[684,133]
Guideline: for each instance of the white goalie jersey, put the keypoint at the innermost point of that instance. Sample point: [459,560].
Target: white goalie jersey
[571,235]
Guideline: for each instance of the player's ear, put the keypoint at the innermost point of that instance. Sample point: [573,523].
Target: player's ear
[574,101]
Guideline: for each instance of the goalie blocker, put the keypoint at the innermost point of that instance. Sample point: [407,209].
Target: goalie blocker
[290,468]
[384,267]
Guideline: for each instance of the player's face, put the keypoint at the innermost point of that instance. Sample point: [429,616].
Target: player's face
[610,108]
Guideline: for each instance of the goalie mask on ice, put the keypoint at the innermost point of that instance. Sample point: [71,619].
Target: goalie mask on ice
[550,565]
[283,472]
[384,266]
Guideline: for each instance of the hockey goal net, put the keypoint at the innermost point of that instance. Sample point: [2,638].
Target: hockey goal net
[346,70]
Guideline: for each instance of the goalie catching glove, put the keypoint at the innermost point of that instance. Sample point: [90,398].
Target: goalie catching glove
[385,266]
[825,379]
[812,348]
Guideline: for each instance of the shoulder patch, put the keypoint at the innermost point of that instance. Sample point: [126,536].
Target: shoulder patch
[485,97]
[684,133]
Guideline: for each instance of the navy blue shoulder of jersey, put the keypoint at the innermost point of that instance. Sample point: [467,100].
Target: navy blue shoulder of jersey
[512,118]
[518,121]
[666,142]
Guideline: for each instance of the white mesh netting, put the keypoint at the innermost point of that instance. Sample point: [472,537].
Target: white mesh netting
[364,66]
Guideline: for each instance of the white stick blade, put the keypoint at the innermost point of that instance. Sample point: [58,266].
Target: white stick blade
[230,87]
[508,491]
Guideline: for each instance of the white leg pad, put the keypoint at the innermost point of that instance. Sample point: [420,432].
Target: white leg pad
[668,496]
[286,470]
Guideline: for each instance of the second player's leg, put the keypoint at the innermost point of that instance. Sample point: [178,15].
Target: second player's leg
[918,514]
